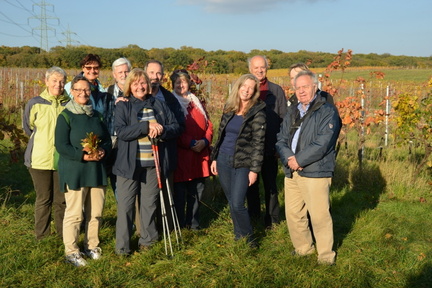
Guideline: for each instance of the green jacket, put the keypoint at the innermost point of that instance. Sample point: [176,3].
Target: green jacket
[40,117]
[69,133]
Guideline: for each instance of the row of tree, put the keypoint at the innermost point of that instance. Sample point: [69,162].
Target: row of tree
[220,62]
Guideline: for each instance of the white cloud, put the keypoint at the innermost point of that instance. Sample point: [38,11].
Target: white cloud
[237,6]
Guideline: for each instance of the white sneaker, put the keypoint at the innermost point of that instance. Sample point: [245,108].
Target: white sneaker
[95,253]
[76,259]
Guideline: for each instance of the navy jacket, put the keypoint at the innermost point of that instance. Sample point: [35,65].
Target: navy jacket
[128,130]
[316,145]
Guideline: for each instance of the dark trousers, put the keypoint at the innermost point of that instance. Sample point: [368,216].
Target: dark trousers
[146,188]
[268,173]
[48,196]
[188,195]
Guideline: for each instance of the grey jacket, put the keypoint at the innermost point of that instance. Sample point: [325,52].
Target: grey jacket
[316,145]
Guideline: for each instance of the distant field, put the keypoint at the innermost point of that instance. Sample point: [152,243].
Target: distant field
[20,84]
[391,73]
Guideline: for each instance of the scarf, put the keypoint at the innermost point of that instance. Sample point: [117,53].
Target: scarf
[184,103]
[76,108]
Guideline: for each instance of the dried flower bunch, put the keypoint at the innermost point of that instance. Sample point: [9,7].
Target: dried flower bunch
[90,144]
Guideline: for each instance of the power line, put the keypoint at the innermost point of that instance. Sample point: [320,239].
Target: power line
[44,24]
[69,39]
[13,22]
[21,6]
[39,33]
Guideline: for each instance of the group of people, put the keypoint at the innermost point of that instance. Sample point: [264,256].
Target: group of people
[82,134]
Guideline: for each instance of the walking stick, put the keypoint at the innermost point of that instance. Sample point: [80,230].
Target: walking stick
[176,223]
[165,227]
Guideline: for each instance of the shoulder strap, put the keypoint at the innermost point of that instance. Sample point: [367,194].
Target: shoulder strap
[298,121]
[66,116]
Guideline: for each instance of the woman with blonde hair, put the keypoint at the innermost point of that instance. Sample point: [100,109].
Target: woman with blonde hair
[239,150]
[136,121]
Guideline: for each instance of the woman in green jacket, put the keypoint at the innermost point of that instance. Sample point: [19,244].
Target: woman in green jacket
[83,141]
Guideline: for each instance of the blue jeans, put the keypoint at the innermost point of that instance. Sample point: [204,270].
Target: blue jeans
[235,182]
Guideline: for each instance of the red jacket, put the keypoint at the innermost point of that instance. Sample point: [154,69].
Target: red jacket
[190,164]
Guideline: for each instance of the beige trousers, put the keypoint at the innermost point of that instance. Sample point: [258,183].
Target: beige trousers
[310,195]
[92,199]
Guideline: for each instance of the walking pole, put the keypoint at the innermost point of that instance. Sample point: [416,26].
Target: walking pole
[165,227]
[176,222]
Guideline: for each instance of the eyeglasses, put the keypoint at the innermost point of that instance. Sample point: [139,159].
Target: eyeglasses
[95,68]
[86,91]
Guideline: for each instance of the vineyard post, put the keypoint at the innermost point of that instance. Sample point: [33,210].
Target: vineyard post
[387,115]
[16,89]
[22,101]
[209,87]
[319,82]
[1,86]
[362,117]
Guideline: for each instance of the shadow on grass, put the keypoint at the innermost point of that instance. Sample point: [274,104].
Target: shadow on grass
[422,280]
[212,202]
[363,189]
[16,185]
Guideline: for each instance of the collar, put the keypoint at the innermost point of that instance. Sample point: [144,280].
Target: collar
[263,82]
[300,106]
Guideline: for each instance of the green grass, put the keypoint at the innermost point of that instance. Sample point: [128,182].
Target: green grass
[383,237]
[391,74]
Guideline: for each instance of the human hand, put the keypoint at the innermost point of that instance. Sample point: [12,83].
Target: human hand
[155,129]
[199,146]
[253,177]
[100,153]
[123,99]
[213,168]
[293,164]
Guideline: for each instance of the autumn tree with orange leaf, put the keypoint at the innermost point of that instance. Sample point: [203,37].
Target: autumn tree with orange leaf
[351,109]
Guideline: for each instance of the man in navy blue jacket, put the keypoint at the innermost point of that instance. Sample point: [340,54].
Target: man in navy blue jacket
[306,145]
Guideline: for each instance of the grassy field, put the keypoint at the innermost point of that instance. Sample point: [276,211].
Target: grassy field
[392,74]
[383,237]
[381,211]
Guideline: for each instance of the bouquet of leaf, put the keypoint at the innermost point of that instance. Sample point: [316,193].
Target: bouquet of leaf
[90,144]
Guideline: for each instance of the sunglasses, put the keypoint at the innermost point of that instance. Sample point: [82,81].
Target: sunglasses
[95,68]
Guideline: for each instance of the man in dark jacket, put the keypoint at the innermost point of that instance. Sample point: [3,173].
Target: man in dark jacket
[155,72]
[120,69]
[306,145]
[276,105]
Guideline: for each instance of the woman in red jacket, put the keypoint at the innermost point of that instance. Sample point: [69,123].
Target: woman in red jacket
[193,148]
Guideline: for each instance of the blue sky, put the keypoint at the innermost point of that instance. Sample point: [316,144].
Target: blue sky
[368,26]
